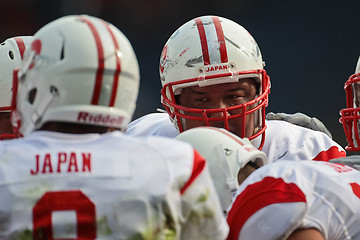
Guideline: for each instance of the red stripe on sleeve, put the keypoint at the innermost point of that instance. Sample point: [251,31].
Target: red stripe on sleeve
[221,39]
[118,67]
[331,153]
[356,189]
[101,66]
[203,40]
[21,45]
[259,195]
[198,167]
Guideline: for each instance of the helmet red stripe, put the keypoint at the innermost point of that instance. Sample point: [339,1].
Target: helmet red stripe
[100,70]
[221,39]
[21,45]
[203,40]
[118,67]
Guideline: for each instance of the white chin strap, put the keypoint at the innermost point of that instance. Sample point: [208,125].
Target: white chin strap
[36,115]
[231,182]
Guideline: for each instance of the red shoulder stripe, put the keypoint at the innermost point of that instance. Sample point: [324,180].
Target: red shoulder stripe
[198,167]
[259,195]
[331,153]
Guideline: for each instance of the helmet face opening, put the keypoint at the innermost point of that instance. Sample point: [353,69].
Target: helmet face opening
[244,120]
[210,51]
[350,116]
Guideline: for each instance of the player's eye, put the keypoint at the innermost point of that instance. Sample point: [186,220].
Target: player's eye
[203,99]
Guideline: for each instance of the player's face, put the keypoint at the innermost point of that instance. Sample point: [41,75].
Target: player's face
[220,96]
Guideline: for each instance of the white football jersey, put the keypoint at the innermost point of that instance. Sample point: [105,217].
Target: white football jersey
[284,196]
[283,140]
[106,186]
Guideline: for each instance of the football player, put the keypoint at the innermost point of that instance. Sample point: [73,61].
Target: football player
[297,200]
[73,175]
[226,155]
[291,200]
[212,74]
[350,115]
[350,119]
[11,54]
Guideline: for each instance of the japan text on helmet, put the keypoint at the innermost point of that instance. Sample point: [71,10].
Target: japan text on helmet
[79,69]
[213,50]
[350,116]
[11,54]
[226,154]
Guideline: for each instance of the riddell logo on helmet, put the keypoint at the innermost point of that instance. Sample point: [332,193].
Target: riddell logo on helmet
[86,117]
[216,68]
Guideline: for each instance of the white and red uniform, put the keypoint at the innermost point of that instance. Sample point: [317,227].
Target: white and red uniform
[278,198]
[283,140]
[106,186]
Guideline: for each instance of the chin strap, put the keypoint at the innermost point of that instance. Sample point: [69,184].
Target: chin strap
[231,182]
[36,115]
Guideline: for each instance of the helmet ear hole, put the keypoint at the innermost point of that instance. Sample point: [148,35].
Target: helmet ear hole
[32,95]
[62,52]
[11,55]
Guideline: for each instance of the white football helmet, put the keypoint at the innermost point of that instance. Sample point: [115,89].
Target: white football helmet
[350,116]
[211,50]
[79,69]
[11,54]
[226,154]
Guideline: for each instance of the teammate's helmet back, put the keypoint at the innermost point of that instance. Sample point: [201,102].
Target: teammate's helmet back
[79,69]
[225,154]
[350,116]
[11,54]
[211,50]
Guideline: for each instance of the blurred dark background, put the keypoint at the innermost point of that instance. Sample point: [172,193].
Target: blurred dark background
[310,47]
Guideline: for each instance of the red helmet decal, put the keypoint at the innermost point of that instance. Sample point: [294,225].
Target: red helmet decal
[21,45]
[35,49]
[163,58]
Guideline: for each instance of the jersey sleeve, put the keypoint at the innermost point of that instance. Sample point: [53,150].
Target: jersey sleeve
[268,209]
[285,141]
[201,206]
[318,145]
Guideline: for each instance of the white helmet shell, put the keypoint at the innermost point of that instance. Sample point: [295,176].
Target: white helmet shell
[79,69]
[196,51]
[11,54]
[212,50]
[225,154]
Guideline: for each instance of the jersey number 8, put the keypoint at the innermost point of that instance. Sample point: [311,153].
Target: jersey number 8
[64,201]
